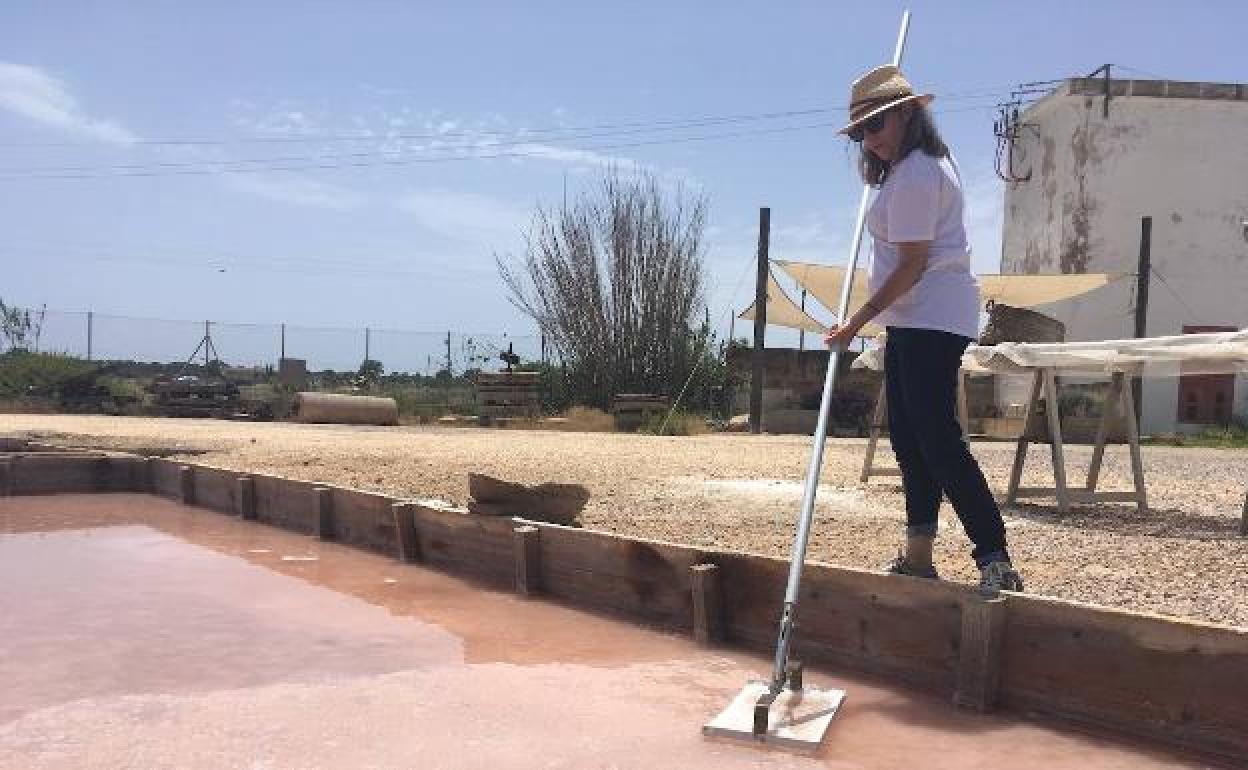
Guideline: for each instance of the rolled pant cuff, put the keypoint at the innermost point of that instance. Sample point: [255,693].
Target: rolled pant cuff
[989,558]
[917,530]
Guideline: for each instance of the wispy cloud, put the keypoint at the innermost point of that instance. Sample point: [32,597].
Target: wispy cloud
[36,95]
[398,133]
[296,190]
[494,223]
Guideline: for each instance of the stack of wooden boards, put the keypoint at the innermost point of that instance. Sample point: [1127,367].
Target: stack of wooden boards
[507,394]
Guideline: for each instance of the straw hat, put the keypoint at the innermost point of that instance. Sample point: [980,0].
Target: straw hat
[880,89]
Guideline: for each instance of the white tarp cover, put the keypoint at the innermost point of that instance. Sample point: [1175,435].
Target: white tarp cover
[783,311]
[1209,353]
[824,282]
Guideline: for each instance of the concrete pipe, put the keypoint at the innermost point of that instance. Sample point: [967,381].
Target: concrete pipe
[346,410]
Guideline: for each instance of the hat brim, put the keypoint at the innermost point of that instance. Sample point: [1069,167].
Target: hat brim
[922,99]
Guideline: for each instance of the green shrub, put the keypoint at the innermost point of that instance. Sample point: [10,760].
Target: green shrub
[43,375]
[681,423]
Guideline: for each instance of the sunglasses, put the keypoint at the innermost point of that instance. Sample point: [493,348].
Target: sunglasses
[869,126]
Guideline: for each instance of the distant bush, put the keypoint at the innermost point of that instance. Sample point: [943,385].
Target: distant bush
[42,375]
[681,423]
[586,419]
[1232,436]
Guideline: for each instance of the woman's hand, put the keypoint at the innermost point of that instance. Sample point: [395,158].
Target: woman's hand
[839,337]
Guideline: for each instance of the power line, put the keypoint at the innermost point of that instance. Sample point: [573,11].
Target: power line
[381,158]
[534,153]
[666,123]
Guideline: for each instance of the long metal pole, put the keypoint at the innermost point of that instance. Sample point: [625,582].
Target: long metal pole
[821,432]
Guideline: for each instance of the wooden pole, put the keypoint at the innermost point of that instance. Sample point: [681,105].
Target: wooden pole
[367,335]
[760,321]
[283,355]
[90,332]
[1144,271]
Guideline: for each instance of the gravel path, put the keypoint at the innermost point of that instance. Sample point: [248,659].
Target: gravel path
[742,492]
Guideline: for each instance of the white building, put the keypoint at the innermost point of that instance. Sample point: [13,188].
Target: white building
[1090,168]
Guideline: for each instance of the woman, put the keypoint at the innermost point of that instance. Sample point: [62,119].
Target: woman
[923,291]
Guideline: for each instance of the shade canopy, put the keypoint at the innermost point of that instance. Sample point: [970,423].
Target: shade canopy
[823,282]
[783,311]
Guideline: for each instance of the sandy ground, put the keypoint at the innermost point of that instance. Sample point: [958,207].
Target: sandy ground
[1185,558]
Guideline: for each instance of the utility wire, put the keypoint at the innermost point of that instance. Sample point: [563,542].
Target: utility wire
[668,123]
[1191,314]
[382,158]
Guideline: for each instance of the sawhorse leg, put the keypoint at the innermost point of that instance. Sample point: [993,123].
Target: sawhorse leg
[877,424]
[1056,447]
[1024,438]
[1133,440]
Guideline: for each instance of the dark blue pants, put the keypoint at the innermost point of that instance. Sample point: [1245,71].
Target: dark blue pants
[921,375]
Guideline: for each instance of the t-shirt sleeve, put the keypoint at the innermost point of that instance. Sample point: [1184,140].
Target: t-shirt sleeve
[914,201]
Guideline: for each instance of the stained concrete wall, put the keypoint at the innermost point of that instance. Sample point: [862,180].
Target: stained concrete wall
[1172,151]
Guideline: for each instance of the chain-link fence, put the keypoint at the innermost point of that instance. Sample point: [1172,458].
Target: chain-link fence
[102,337]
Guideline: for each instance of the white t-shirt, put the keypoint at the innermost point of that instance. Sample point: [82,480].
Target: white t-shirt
[921,200]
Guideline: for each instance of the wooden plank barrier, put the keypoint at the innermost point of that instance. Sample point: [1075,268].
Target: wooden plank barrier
[1172,680]
[906,629]
[642,579]
[1184,681]
[452,539]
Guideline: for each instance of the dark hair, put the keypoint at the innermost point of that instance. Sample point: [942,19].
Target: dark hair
[920,133]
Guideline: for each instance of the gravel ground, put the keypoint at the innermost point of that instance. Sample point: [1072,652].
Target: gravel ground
[1185,558]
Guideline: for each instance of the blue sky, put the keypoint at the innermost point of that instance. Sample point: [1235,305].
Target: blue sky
[86,89]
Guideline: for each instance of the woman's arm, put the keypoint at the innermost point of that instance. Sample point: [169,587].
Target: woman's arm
[913,262]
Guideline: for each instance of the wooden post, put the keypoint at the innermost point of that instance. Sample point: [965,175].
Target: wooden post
[527,546]
[979,661]
[6,477]
[1243,521]
[1024,438]
[801,333]
[1143,277]
[760,321]
[708,623]
[147,479]
[1056,450]
[246,498]
[405,528]
[324,512]
[90,332]
[186,485]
